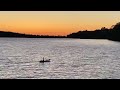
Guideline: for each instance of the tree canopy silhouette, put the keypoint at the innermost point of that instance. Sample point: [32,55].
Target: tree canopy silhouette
[104,33]
[115,32]
[19,35]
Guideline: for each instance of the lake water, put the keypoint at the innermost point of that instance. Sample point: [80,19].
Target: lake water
[70,58]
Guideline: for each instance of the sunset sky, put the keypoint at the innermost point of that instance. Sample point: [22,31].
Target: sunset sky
[56,22]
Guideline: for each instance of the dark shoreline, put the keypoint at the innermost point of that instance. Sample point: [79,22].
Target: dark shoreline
[63,38]
[112,34]
[20,35]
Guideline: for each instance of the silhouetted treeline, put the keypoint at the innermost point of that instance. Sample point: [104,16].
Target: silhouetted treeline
[104,33]
[115,32]
[13,34]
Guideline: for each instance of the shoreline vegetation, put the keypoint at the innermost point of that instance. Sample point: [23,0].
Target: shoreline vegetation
[20,35]
[104,33]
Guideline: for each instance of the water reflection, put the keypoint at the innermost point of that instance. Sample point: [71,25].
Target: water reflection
[70,58]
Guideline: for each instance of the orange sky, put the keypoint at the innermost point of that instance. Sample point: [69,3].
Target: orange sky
[56,22]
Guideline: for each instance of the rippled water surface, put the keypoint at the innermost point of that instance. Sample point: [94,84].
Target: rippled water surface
[70,58]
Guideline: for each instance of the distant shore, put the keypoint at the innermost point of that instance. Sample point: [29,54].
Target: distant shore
[104,33]
[20,35]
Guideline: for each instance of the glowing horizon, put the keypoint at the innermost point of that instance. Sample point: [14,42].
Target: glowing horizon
[56,22]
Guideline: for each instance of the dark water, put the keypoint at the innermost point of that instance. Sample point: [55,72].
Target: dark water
[70,58]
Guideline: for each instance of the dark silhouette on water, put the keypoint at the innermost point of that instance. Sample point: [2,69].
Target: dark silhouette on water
[42,61]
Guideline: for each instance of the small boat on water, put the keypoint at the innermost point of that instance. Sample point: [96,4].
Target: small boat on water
[42,61]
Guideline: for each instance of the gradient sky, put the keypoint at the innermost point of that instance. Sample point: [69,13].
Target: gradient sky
[56,22]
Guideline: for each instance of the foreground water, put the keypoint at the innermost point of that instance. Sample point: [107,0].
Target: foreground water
[70,58]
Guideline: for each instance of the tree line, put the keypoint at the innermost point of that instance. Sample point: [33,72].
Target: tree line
[112,33]
[20,35]
[104,33]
